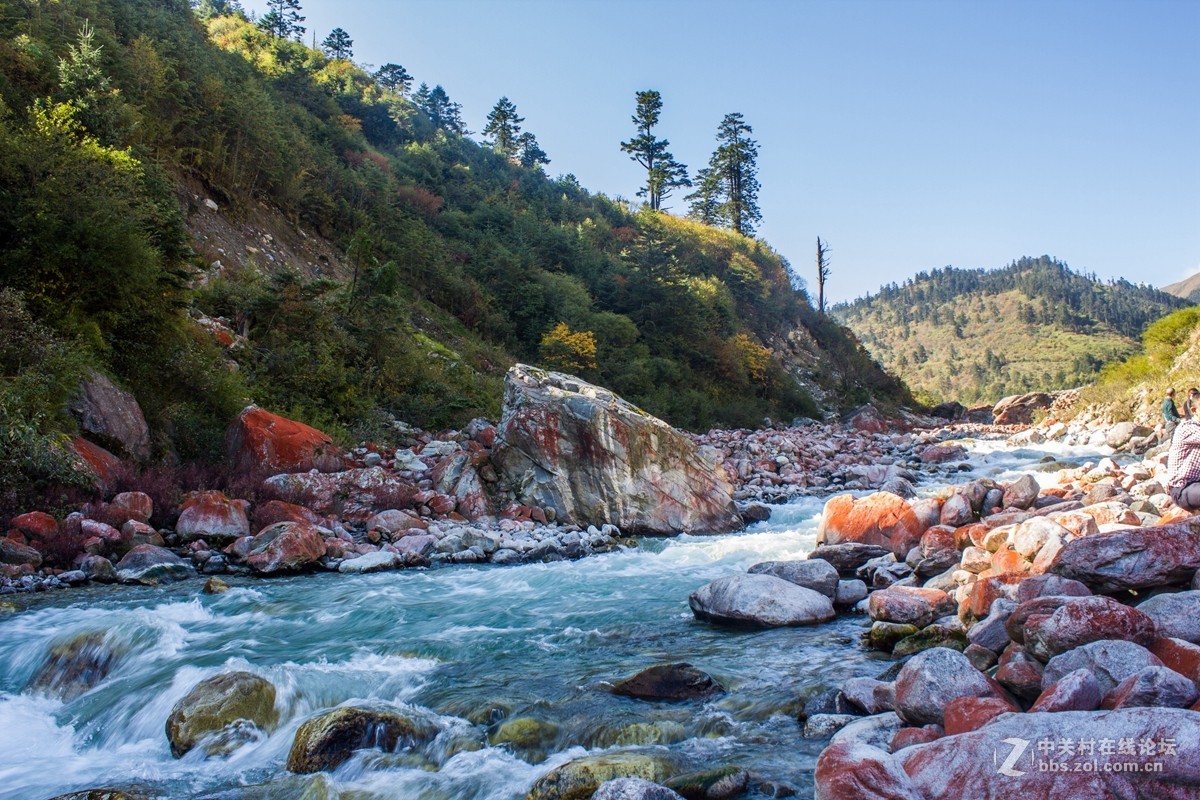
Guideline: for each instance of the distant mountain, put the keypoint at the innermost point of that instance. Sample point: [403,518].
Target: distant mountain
[979,335]
[1188,288]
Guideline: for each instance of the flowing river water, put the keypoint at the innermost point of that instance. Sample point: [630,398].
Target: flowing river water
[466,644]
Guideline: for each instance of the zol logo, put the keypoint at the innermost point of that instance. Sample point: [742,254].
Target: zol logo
[1018,748]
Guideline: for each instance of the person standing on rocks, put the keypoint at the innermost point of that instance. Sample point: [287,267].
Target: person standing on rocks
[1170,415]
[1191,406]
[1183,465]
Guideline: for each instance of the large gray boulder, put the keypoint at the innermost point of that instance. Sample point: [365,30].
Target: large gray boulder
[112,417]
[815,574]
[933,678]
[759,600]
[581,450]
[1133,559]
[1176,614]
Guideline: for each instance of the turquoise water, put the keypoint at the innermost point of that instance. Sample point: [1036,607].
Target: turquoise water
[465,644]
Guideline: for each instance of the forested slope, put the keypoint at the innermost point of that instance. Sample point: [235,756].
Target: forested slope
[131,130]
[979,335]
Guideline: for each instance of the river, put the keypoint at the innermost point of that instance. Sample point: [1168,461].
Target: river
[467,644]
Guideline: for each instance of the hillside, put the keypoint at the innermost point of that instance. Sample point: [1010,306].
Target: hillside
[1132,389]
[1188,288]
[211,215]
[978,335]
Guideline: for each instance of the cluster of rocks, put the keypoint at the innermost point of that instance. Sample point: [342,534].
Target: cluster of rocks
[227,711]
[1063,612]
[774,465]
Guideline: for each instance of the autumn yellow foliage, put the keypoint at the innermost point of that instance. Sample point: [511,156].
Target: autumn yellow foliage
[571,351]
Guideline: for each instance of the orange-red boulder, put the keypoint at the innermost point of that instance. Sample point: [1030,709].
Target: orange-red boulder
[882,519]
[964,714]
[259,441]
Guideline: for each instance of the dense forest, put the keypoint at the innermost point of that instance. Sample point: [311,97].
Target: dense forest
[978,335]
[124,124]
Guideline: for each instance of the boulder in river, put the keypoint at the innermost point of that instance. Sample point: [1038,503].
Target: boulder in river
[150,564]
[594,458]
[285,547]
[580,778]
[325,741]
[759,600]
[722,783]
[1084,620]
[816,574]
[881,519]
[671,682]
[75,665]
[633,789]
[226,709]
[213,517]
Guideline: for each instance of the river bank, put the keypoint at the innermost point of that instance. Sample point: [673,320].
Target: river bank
[472,646]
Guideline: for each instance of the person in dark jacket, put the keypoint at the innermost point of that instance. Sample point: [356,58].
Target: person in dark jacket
[1170,415]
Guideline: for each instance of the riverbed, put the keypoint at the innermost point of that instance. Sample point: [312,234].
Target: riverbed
[470,645]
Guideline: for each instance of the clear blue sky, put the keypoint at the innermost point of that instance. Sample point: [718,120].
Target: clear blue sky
[909,135]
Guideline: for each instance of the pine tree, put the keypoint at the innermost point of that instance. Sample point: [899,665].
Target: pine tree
[706,200]
[206,9]
[663,172]
[90,92]
[531,155]
[504,129]
[283,19]
[394,78]
[445,114]
[735,165]
[338,44]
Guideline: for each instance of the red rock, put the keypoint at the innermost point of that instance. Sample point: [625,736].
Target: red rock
[968,765]
[273,511]
[1022,678]
[354,494]
[285,547]
[101,464]
[1086,620]
[134,533]
[137,504]
[1133,559]
[1179,655]
[855,771]
[964,714]
[1010,562]
[1037,608]
[1152,686]
[987,590]
[212,515]
[907,737]
[444,504]
[890,605]
[969,535]
[456,477]
[941,453]
[881,519]
[36,525]
[259,441]
[1075,691]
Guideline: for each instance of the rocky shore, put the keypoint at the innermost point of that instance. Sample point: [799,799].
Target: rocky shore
[570,470]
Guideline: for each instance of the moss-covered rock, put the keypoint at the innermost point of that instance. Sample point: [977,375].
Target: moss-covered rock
[578,779]
[932,636]
[526,734]
[226,708]
[325,741]
[75,665]
[884,635]
[647,733]
[722,783]
[293,787]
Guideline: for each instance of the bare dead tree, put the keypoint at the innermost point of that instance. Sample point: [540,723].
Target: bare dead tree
[822,272]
